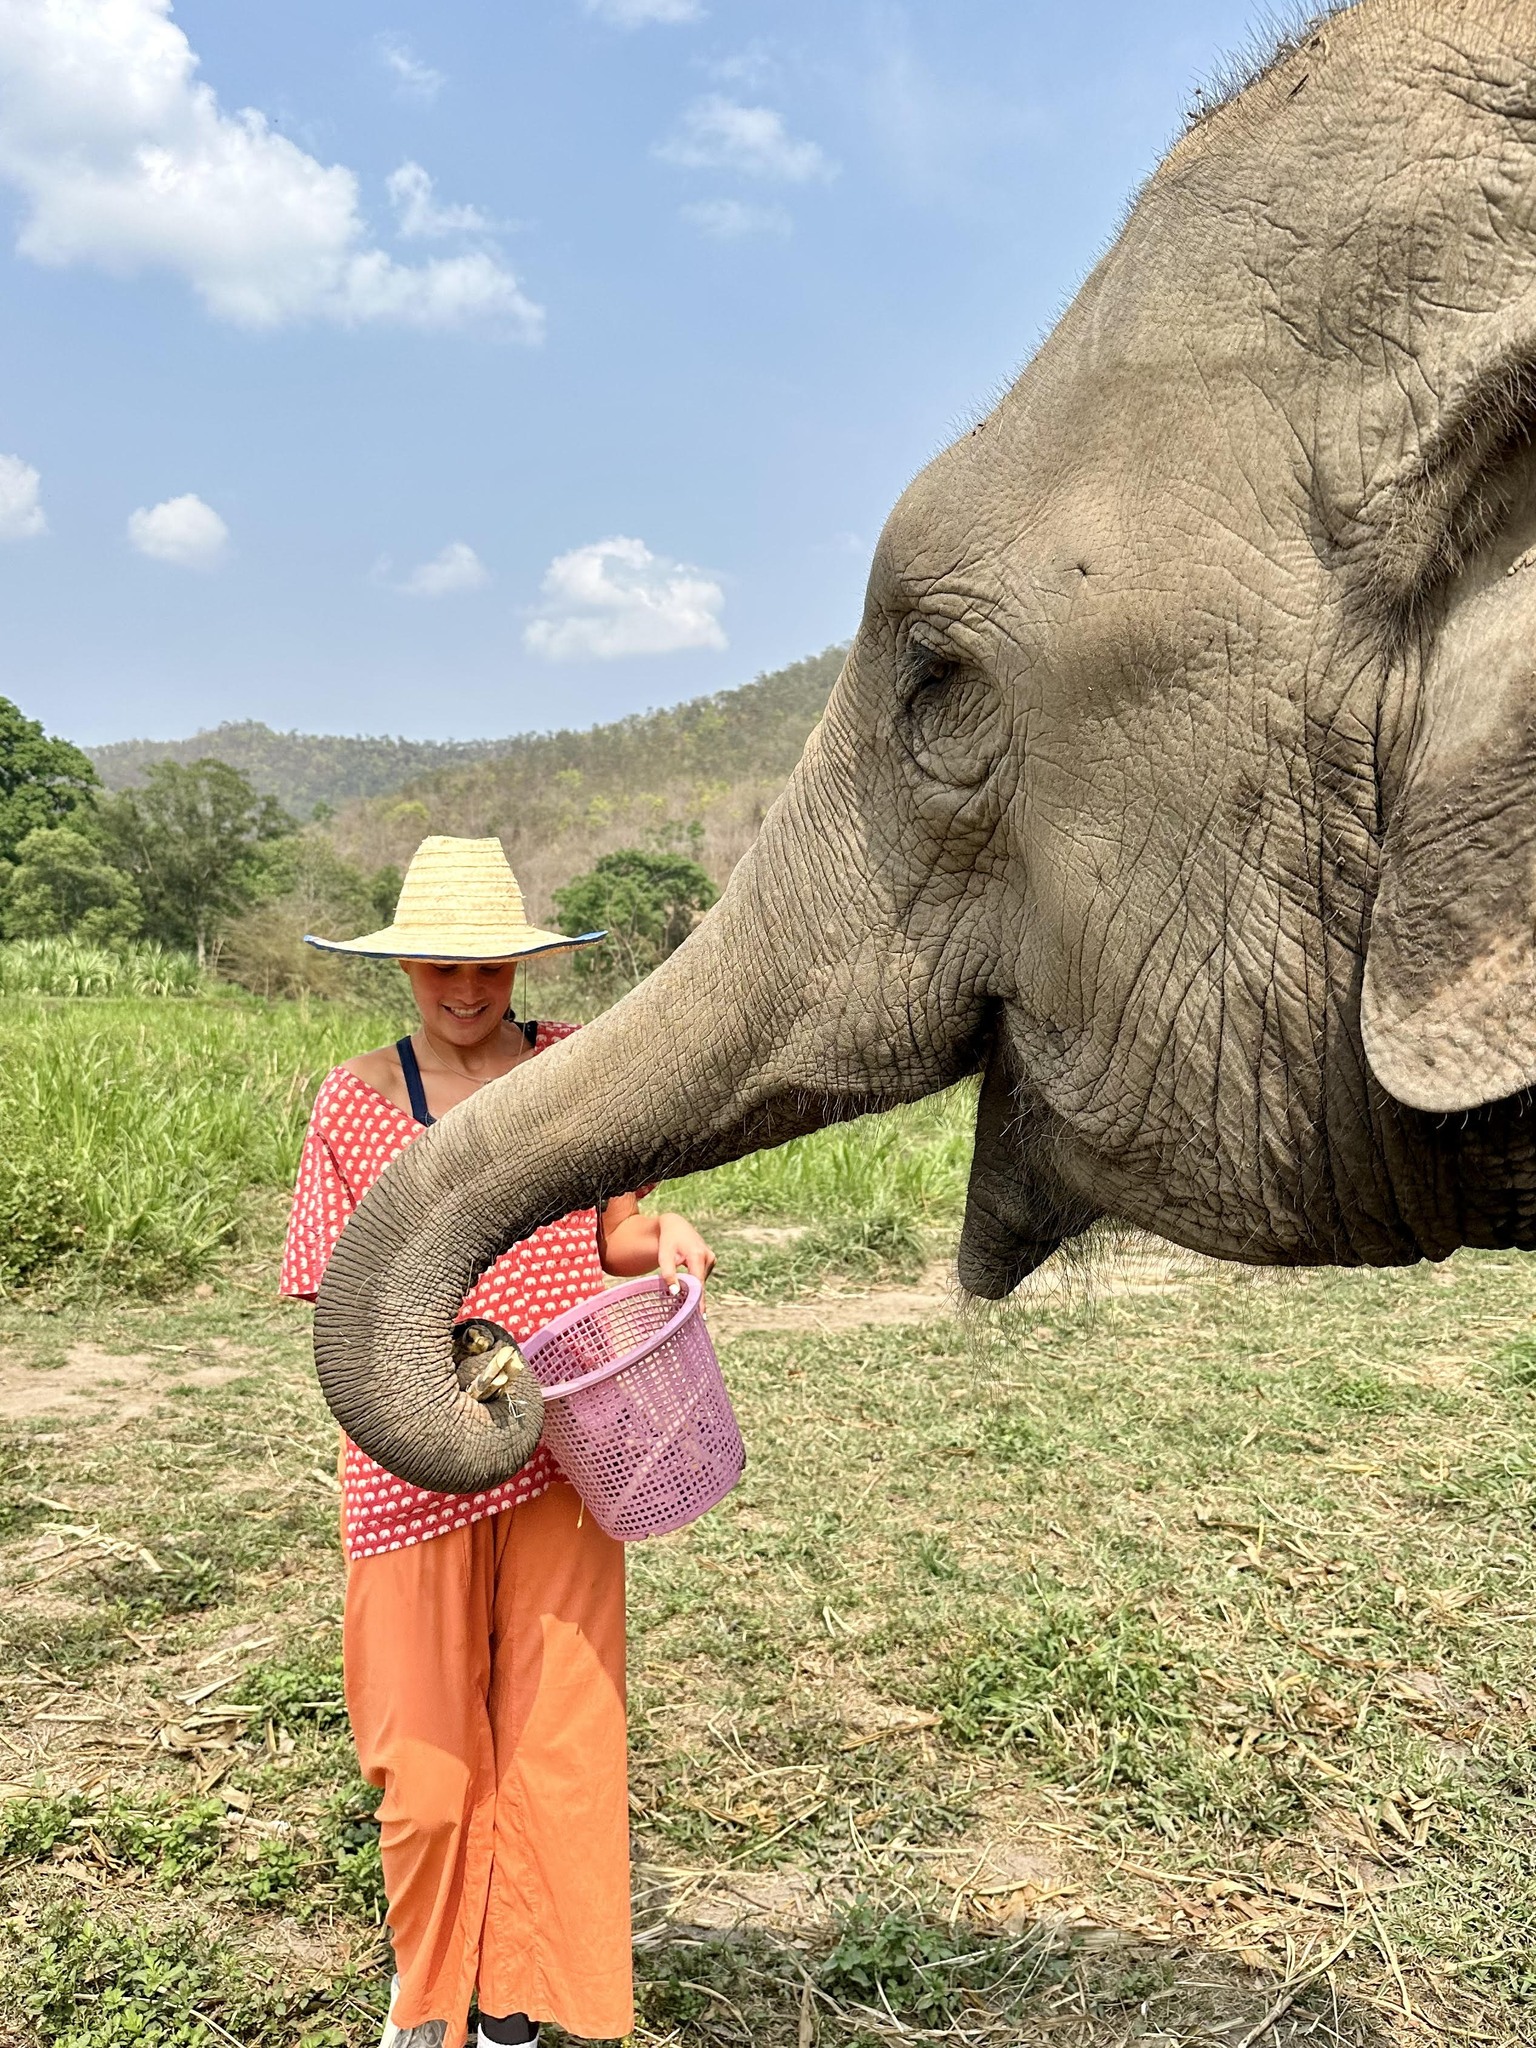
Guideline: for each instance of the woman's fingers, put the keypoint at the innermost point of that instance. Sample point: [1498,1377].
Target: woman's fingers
[679,1246]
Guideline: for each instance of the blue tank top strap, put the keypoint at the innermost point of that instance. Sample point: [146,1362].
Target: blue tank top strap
[410,1067]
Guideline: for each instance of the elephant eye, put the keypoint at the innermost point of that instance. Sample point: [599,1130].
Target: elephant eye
[925,671]
[949,715]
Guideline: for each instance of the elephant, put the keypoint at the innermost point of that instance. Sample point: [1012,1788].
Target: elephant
[1180,781]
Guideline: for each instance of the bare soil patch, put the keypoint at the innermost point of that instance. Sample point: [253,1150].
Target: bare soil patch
[119,1386]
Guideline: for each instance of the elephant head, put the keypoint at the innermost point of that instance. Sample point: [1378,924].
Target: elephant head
[1181,779]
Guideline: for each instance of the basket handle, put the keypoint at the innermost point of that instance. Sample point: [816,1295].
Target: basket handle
[692,1292]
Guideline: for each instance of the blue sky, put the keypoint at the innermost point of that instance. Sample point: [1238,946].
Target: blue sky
[518,363]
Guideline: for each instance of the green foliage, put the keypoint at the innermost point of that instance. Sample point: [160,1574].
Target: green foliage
[354,1848]
[1352,1392]
[95,1983]
[924,1970]
[67,967]
[305,886]
[1518,1360]
[1008,1437]
[170,1842]
[281,1871]
[1088,1694]
[43,781]
[30,1828]
[87,1979]
[302,1694]
[757,731]
[882,1247]
[137,1130]
[74,1646]
[647,903]
[193,840]
[63,885]
[558,799]
[683,1986]
[185,1584]
[19,1504]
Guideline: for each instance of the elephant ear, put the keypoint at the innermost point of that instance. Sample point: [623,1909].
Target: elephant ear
[1448,1012]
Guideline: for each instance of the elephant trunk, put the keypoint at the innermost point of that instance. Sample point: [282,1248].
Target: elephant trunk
[793,1006]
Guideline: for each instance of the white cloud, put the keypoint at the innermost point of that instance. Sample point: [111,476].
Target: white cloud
[636,13]
[731,220]
[183,531]
[616,598]
[458,568]
[21,512]
[418,214]
[717,134]
[748,69]
[413,79]
[126,160]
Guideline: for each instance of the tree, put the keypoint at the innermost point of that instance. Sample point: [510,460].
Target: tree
[43,781]
[306,886]
[192,839]
[647,903]
[63,885]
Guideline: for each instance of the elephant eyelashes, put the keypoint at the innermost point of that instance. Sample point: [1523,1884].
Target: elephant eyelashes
[927,677]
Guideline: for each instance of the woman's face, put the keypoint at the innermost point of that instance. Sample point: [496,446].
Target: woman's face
[461,1002]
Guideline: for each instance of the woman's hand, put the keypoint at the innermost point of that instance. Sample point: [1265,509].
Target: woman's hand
[679,1248]
[631,1243]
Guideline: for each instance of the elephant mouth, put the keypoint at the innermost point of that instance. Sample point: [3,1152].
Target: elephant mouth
[1018,1208]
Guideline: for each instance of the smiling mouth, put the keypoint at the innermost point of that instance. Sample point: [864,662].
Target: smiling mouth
[454,1010]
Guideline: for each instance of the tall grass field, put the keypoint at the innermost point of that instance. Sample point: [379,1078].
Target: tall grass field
[139,1130]
[65,967]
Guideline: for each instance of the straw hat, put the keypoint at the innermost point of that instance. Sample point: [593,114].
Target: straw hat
[459,901]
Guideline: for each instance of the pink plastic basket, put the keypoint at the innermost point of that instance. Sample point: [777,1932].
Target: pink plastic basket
[636,1409]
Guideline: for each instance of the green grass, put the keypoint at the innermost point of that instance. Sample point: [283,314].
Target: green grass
[883,1246]
[65,967]
[1214,1606]
[136,1130]
[910,1165]
[1211,1604]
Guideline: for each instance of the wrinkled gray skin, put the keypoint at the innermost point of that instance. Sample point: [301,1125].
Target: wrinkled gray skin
[1181,778]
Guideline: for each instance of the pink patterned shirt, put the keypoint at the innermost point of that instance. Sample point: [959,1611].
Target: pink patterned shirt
[354,1133]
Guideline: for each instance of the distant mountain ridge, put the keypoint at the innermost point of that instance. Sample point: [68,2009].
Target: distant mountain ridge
[699,774]
[300,769]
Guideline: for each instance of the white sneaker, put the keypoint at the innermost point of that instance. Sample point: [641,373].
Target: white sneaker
[430,2034]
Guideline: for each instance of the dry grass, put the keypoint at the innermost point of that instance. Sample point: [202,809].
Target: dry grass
[1153,1672]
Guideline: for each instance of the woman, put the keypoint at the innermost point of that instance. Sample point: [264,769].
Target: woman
[484,1633]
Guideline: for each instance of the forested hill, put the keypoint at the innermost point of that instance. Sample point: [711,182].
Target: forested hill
[559,799]
[301,769]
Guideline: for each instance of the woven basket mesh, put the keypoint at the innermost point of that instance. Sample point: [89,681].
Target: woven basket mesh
[654,1444]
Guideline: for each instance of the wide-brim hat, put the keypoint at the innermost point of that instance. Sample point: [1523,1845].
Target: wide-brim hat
[459,901]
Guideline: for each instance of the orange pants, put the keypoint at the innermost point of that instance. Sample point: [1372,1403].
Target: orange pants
[485,1681]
